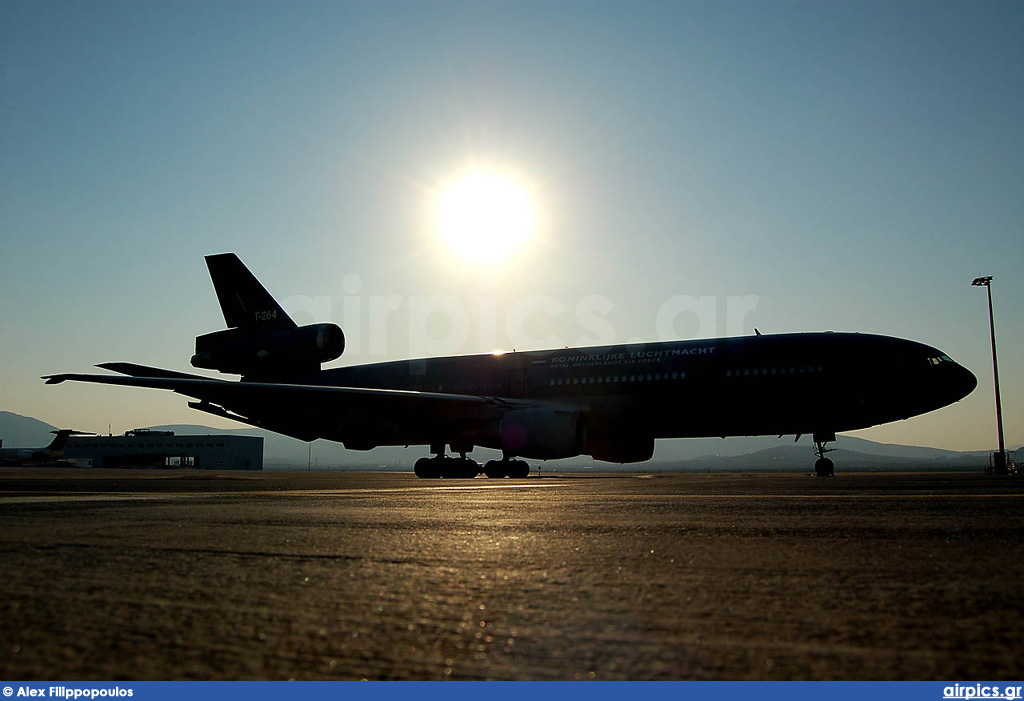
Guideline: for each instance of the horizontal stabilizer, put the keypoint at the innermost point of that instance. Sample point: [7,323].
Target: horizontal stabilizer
[62,438]
[136,370]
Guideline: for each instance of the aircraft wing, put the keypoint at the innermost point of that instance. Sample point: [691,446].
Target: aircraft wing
[305,411]
[216,390]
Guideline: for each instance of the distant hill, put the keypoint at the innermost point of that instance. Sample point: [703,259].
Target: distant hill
[17,431]
[799,458]
[712,454]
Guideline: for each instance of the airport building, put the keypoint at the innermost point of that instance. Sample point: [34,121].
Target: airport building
[164,450]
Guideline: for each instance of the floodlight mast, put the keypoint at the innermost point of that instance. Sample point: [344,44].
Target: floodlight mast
[986,282]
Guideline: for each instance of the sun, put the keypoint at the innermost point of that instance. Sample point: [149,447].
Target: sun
[485,216]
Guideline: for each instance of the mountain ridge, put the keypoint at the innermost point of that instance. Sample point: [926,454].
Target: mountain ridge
[755,452]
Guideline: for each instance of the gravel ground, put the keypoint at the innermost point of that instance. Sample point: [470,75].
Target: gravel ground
[149,575]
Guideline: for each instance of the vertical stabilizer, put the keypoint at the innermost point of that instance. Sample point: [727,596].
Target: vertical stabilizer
[245,302]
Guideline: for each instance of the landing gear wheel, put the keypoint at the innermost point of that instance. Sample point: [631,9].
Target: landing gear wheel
[449,468]
[823,467]
[427,468]
[495,469]
[467,468]
[518,469]
[458,468]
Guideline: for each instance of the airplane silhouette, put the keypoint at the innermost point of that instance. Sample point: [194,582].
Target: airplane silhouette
[609,402]
[14,457]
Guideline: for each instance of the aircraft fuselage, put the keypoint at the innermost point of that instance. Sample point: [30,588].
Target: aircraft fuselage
[756,385]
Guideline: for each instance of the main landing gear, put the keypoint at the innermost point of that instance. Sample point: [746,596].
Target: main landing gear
[823,467]
[444,466]
[466,468]
[506,467]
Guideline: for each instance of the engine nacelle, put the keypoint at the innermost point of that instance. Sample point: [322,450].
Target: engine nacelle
[543,433]
[620,449]
[292,351]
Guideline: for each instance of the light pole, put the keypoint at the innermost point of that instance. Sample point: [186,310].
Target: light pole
[986,282]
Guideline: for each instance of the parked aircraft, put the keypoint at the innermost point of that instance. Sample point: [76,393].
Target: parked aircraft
[49,455]
[609,402]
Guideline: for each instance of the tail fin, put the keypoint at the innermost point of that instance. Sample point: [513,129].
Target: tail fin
[58,443]
[244,301]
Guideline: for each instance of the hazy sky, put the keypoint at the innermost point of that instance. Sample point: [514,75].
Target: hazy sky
[827,165]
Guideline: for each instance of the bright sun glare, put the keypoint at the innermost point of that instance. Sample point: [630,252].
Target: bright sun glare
[485,216]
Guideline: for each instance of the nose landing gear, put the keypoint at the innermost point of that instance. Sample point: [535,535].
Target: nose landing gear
[823,467]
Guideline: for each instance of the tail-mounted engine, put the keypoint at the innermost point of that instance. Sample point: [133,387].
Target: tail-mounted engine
[243,351]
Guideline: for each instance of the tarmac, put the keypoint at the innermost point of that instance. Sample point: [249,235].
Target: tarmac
[130,575]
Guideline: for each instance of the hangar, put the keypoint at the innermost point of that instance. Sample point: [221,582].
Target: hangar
[162,449]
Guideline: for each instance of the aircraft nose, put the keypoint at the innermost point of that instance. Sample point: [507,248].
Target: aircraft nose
[965,382]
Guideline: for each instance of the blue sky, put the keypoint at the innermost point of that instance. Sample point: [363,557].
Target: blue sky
[848,166]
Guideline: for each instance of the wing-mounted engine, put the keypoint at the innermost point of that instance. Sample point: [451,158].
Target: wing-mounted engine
[620,448]
[543,433]
[244,351]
